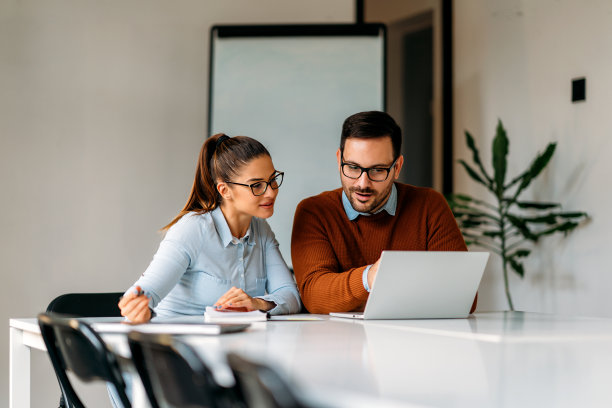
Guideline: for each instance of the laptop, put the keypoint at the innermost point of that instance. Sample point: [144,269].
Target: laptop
[423,285]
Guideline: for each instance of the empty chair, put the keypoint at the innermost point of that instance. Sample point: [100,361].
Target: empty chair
[174,375]
[74,346]
[138,360]
[261,386]
[84,305]
[87,304]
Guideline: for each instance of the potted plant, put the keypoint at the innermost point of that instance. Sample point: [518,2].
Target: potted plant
[508,226]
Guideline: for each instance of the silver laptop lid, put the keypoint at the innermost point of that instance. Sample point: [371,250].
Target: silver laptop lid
[425,284]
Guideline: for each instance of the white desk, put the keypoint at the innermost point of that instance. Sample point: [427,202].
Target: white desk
[489,360]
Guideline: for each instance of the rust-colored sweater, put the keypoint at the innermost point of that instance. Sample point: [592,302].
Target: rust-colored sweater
[330,252]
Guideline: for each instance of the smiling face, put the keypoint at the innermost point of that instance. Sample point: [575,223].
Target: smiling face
[365,195]
[241,198]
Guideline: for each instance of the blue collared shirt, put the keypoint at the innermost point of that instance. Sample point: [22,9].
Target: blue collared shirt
[390,207]
[199,260]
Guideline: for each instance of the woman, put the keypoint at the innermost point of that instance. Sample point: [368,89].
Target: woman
[219,250]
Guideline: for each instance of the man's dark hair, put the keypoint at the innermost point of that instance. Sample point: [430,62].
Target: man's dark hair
[370,125]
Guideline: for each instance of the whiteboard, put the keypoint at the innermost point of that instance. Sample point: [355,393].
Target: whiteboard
[291,87]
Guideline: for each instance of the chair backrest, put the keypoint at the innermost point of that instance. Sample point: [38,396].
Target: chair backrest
[84,305]
[87,304]
[138,359]
[74,346]
[261,386]
[176,374]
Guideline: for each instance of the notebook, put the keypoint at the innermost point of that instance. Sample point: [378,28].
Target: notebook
[423,285]
[213,315]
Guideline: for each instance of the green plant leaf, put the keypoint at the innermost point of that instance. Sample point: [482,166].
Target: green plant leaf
[473,174]
[463,201]
[565,227]
[520,253]
[536,167]
[469,216]
[536,205]
[516,180]
[543,219]
[471,223]
[500,154]
[475,241]
[517,266]
[553,218]
[484,218]
[500,227]
[455,200]
[454,206]
[471,235]
[522,227]
[469,140]
[575,214]
[459,197]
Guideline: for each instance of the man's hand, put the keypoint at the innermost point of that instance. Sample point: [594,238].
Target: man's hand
[237,300]
[135,306]
[372,274]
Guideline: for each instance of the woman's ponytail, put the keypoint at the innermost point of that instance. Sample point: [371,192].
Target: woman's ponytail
[221,157]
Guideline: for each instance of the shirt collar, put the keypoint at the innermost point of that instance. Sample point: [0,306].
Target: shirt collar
[224,231]
[390,206]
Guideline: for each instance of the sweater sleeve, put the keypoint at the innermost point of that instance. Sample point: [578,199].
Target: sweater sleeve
[323,286]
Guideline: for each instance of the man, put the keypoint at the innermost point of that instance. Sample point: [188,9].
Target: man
[338,235]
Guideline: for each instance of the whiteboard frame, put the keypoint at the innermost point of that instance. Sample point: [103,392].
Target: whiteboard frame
[295,30]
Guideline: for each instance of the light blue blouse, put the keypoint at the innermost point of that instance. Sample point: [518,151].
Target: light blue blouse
[199,260]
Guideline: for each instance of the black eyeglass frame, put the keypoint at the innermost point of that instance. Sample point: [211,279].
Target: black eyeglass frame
[366,170]
[267,183]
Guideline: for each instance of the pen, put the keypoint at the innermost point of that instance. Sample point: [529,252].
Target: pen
[137,291]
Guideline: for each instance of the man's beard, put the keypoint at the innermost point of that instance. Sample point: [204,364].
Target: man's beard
[377,199]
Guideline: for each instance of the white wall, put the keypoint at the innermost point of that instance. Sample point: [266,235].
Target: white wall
[102,113]
[514,60]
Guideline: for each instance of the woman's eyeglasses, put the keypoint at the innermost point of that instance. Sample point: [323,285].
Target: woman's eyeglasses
[261,187]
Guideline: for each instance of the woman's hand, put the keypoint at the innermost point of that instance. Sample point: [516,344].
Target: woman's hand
[236,300]
[135,307]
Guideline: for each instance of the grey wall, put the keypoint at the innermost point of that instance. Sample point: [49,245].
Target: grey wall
[102,113]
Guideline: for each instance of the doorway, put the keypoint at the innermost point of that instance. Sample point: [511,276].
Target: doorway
[411,95]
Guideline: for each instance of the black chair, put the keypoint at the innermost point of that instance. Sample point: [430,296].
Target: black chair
[261,386]
[74,346]
[87,304]
[84,305]
[174,375]
[138,359]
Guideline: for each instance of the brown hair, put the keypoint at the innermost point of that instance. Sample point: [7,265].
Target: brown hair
[372,124]
[221,158]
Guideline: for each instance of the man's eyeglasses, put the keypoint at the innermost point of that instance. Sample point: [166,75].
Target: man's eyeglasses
[354,171]
[260,187]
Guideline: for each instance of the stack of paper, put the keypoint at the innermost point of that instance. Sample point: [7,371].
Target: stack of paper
[218,316]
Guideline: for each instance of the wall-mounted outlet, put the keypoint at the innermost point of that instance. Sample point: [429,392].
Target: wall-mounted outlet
[578,89]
